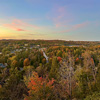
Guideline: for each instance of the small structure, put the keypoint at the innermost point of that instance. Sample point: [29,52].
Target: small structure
[0,53]
[13,51]
[26,44]
[38,45]
[2,65]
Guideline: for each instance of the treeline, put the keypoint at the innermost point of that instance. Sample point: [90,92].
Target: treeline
[47,43]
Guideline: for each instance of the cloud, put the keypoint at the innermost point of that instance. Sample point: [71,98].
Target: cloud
[59,16]
[18,22]
[19,25]
[20,29]
[11,26]
[74,27]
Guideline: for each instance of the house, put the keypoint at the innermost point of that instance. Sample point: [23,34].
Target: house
[26,44]
[38,45]
[13,52]
[0,53]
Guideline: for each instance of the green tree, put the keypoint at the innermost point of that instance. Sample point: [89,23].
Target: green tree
[54,69]
[94,96]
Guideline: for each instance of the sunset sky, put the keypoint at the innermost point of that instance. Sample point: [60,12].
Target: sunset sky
[50,19]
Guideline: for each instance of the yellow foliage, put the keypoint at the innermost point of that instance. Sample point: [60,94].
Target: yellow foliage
[12,58]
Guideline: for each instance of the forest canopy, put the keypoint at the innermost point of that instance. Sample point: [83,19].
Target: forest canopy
[49,70]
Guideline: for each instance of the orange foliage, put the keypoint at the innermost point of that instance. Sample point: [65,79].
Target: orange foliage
[25,99]
[98,46]
[14,63]
[92,60]
[26,62]
[43,60]
[37,84]
[55,47]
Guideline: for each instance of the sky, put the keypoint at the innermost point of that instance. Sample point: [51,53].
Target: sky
[77,20]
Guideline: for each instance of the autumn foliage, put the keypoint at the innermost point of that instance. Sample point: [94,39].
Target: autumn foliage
[39,88]
[59,59]
[43,60]
[71,72]
[77,59]
[26,62]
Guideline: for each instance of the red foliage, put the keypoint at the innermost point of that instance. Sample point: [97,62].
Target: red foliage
[77,59]
[59,59]
[38,84]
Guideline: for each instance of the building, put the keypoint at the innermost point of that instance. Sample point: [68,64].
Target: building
[2,65]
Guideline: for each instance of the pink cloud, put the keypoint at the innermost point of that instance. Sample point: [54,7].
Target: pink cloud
[19,25]
[60,16]
[11,26]
[74,27]
[78,26]
[20,29]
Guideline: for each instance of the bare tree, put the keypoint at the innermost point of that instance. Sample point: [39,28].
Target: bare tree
[67,72]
